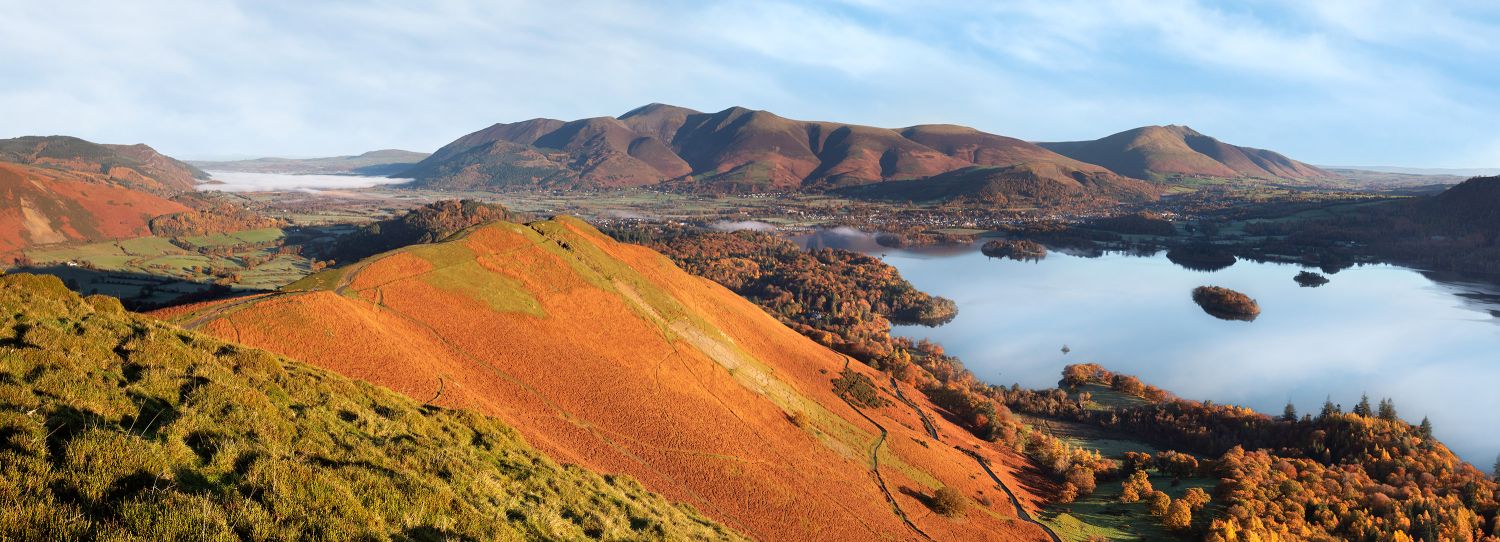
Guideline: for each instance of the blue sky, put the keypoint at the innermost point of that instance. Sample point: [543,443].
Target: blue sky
[1330,82]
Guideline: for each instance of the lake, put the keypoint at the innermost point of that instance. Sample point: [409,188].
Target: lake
[1433,345]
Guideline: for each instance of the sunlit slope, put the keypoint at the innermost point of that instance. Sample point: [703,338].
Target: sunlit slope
[40,205]
[116,426]
[608,355]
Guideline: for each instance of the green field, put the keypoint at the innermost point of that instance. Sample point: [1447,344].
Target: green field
[1101,515]
[153,270]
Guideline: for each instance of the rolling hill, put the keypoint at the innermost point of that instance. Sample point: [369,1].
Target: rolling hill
[137,166]
[738,150]
[1164,152]
[117,426]
[58,189]
[608,356]
[378,163]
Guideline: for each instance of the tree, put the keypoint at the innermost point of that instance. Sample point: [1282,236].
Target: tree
[1497,466]
[1068,494]
[949,502]
[1328,409]
[1425,429]
[1179,516]
[1363,408]
[1138,485]
[1289,414]
[1196,498]
[1082,478]
[1388,410]
[1158,503]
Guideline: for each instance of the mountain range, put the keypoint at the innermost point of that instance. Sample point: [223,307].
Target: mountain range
[740,150]
[380,163]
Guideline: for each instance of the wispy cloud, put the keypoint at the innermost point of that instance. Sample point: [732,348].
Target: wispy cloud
[1328,82]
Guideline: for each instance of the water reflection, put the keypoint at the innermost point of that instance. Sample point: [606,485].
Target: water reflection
[1388,331]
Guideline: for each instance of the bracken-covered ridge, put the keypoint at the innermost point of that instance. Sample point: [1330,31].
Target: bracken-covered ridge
[607,355]
[120,427]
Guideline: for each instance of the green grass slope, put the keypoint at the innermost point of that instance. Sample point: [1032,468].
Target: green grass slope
[115,426]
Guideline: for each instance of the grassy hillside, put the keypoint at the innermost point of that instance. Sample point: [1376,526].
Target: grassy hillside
[119,427]
[608,355]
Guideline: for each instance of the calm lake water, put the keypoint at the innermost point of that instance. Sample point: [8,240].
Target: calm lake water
[1431,345]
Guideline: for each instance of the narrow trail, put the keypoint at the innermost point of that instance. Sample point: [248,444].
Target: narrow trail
[875,463]
[217,311]
[983,463]
[344,285]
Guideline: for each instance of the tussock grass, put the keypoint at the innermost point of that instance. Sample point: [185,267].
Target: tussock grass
[114,426]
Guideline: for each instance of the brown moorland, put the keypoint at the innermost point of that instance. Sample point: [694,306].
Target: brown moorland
[607,355]
[740,150]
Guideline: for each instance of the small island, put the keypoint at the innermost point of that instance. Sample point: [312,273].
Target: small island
[1308,279]
[1226,304]
[1015,249]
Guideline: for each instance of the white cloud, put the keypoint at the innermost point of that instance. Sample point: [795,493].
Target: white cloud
[1326,83]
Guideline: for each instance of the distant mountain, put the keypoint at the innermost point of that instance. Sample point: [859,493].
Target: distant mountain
[375,163]
[739,150]
[1445,172]
[1164,152]
[57,189]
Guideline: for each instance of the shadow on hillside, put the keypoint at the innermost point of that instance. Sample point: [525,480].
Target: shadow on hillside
[138,291]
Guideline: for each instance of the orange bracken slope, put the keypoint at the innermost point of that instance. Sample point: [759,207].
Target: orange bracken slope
[43,205]
[607,355]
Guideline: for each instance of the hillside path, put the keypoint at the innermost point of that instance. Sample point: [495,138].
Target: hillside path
[1021,511]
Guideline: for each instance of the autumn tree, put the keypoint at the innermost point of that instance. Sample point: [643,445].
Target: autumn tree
[1068,494]
[1179,516]
[1135,461]
[1196,498]
[1157,503]
[1082,478]
[1138,485]
[1177,464]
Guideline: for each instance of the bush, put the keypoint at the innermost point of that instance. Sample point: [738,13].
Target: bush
[949,502]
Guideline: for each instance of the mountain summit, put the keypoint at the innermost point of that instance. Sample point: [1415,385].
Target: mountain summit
[1161,152]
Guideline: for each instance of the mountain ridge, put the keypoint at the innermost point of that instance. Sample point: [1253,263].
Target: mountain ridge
[735,150]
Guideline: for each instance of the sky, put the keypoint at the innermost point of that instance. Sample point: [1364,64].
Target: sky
[1331,82]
